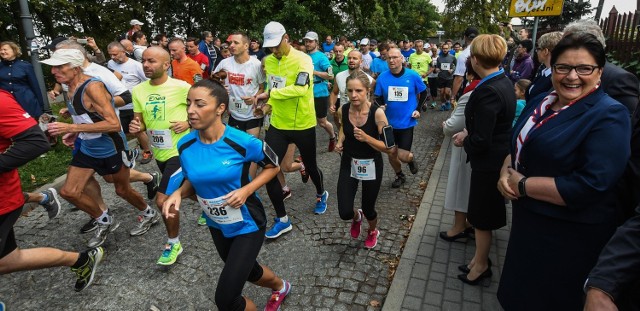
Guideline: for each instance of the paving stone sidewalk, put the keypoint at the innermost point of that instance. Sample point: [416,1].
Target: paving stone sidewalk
[426,278]
[328,269]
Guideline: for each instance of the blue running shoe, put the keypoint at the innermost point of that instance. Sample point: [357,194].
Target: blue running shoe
[278,228]
[321,203]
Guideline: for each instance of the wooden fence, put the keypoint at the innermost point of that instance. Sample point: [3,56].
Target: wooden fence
[622,33]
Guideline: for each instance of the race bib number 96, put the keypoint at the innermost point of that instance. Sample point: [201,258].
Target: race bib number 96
[363,169]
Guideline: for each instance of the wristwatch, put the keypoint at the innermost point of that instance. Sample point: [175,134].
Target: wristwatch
[521,187]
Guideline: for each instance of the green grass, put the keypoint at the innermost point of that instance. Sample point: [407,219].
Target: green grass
[49,166]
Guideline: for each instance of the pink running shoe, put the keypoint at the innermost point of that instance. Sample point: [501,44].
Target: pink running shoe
[277,298]
[356,226]
[372,239]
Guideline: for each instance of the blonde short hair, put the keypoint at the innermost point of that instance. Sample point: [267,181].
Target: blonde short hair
[489,50]
[14,46]
[549,40]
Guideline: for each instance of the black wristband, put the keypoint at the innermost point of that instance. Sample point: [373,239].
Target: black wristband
[521,187]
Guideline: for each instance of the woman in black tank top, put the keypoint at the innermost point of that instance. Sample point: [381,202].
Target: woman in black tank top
[361,147]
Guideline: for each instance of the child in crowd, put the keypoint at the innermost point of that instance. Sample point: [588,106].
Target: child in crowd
[521,88]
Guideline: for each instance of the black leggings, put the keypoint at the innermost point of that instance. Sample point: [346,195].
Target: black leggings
[242,266]
[279,141]
[348,186]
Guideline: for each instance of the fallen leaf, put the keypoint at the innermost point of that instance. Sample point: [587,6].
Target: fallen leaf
[374,303]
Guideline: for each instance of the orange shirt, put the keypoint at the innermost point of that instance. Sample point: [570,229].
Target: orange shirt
[185,70]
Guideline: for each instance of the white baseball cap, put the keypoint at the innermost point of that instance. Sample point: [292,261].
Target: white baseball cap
[135,22]
[311,36]
[364,41]
[65,56]
[273,33]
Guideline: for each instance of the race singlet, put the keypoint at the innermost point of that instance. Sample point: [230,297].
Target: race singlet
[218,211]
[363,169]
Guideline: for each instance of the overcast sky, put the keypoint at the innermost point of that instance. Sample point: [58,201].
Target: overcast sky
[623,6]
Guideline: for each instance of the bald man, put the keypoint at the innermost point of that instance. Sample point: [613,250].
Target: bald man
[160,108]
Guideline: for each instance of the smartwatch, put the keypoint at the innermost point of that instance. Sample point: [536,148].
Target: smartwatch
[521,187]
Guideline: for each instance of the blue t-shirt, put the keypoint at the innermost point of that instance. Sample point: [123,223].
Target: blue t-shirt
[216,169]
[327,47]
[379,65]
[320,63]
[406,54]
[400,94]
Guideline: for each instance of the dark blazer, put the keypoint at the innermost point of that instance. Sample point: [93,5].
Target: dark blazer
[585,148]
[541,84]
[488,118]
[18,78]
[621,85]
[618,268]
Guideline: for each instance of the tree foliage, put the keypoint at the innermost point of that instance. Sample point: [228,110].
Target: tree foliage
[482,14]
[106,19]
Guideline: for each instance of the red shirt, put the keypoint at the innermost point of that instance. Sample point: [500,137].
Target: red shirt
[13,121]
[203,61]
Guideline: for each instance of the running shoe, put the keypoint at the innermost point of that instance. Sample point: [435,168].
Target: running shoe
[372,239]
[286,193]
[277,297]
[89,226]
[278,228]
[413,168]
[129,157]
[356,226]
[303,171]
[321,203]
[152,186]
[400,180]
[202,221]
[447,106]
[86,272]
[144,223]
[170,254]
[433,105]
[52,206]
[101,233]
[147,156]
[332,144]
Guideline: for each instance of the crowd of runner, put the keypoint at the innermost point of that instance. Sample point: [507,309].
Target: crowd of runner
[198,106]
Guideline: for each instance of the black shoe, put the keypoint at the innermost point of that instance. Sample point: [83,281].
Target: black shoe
[486,274]
[400,180]
[413,168]
[446,237]
[464,268]
[152,186]
[471,232]
[90,226]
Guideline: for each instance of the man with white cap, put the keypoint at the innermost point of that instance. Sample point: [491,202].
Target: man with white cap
[136,25]
[103,142]
[366,57]
[322,72]
[293,120]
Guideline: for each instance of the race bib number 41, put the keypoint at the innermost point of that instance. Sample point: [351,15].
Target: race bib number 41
[218,211]
[160,139]
[398,94]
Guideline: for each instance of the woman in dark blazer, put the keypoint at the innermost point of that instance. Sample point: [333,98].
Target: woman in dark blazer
[18,78]
[567,152]
[488,118]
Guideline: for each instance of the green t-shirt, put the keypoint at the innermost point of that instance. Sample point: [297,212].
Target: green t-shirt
[420,63]
[292,105]
[160,104]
